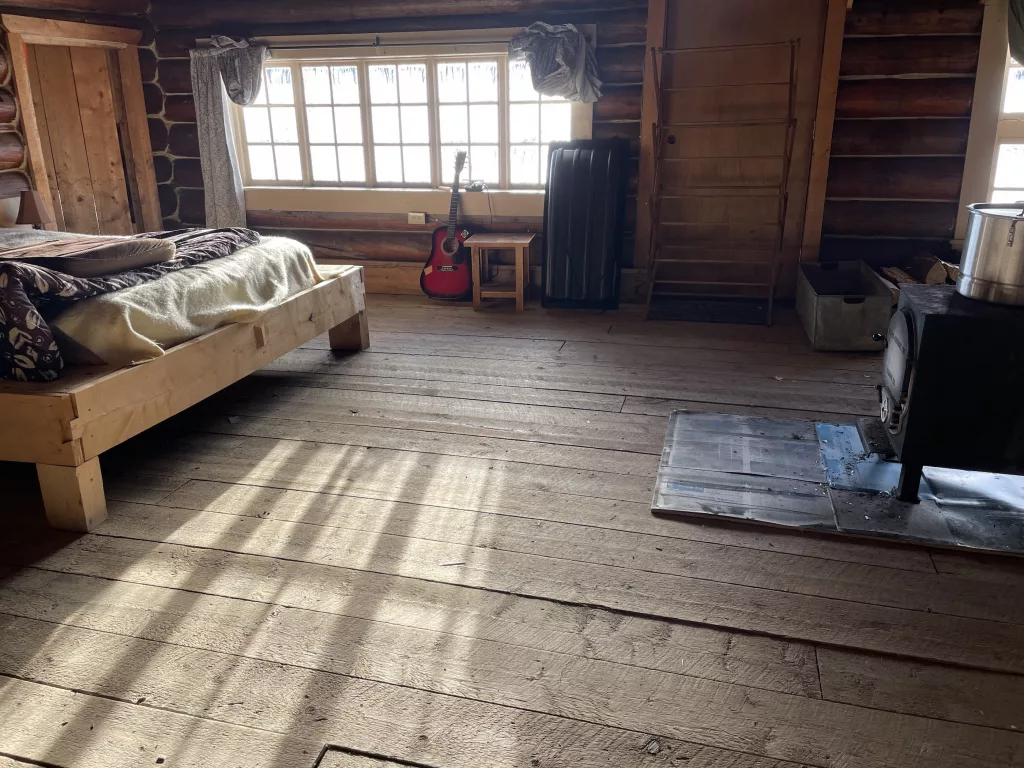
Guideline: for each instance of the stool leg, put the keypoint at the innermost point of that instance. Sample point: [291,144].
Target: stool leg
[477,276]
[520,279]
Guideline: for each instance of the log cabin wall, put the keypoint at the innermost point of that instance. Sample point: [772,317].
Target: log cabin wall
[13,155]
[903,113]
[393,250]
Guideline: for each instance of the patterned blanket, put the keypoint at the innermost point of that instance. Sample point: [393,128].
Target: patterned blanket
[29,294]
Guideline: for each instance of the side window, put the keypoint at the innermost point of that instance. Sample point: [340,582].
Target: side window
[271,130]
[1008,179]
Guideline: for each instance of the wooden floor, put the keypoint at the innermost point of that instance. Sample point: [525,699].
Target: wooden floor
[440,553]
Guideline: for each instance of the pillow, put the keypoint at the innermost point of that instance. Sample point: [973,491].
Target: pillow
[94,256]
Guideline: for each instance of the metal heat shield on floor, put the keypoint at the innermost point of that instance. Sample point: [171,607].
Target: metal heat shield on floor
[820,477]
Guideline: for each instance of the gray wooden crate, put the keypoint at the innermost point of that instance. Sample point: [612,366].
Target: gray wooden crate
[842,304]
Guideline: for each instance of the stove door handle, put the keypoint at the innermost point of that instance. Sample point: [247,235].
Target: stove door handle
[880,337]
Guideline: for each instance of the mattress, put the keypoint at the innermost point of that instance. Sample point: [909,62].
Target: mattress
[139,323]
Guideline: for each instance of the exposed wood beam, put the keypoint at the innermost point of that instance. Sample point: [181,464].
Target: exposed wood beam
[138,142]
[35,31]
[23,89]
[988,97]
[657,13]
[824,121]
[112,7]
[202,14]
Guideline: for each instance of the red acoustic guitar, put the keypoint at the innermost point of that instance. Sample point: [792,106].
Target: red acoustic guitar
[447,274]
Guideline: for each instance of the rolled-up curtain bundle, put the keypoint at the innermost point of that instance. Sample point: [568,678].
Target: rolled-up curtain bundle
[561,62]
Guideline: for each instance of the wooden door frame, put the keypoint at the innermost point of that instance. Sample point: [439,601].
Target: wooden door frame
[23,31]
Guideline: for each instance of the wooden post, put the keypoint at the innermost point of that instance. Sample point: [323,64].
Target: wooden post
[353,334]
[73,496]
[141,149]
[989,82]
[27,110]
[657,11]
[824,122]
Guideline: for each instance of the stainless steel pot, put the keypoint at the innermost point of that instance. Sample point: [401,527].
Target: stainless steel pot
[992,266]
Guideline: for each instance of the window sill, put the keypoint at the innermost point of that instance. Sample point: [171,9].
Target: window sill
[435,202]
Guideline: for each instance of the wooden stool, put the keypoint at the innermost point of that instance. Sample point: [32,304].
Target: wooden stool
[479,245]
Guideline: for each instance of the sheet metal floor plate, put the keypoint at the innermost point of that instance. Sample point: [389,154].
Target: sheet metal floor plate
[819,477]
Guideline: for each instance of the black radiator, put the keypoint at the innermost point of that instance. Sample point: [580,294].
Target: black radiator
[583,221]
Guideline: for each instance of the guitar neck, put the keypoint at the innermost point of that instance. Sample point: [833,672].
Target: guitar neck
[453,212]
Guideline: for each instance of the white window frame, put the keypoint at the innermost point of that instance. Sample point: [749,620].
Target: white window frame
[428,48]
[986,115]
[1009,129]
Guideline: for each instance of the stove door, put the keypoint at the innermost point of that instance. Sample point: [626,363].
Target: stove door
[897,369]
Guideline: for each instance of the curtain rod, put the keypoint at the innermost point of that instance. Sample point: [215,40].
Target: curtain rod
[378,44]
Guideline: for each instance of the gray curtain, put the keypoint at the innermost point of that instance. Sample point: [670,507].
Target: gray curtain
[1015,29]
[561,62]
[233,68]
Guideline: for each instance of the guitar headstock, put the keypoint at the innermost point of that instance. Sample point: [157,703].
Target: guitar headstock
[460,162]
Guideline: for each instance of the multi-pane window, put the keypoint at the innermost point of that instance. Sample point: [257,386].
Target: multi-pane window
[534,122]
[334,124]
[1008,179]
[401,124]
[271,131]
[379,123]
[468,117]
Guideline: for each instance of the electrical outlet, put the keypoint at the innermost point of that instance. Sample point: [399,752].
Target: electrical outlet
[417,218]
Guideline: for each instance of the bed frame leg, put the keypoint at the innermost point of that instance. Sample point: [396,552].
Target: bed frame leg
[73,496]
[352,335]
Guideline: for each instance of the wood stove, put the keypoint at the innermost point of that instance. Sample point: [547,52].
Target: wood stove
[952,392]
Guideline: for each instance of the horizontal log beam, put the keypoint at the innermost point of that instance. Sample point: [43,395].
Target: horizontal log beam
[618,103]
[938,55]
[907,178]
[112,7]
[943,97]
[13,183]
[342,245]
[8,107]
[381,222]
[621,64]
[12,151]
[203,14]
[900,137]
[890,219]
[883,17]
[880,251]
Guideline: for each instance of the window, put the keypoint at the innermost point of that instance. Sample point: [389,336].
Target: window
[534,122]
[379,122]
[271,131]
[1008,174]
[334,124]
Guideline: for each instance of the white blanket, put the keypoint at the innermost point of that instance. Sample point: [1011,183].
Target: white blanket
[139,323]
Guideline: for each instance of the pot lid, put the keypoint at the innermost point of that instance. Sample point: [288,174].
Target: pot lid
[1002,210]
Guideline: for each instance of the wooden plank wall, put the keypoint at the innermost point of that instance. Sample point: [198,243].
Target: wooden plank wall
[902,118]
[721,164]
[392,249]
[73,95]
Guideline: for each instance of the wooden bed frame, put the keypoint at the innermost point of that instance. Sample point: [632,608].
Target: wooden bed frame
[64,426]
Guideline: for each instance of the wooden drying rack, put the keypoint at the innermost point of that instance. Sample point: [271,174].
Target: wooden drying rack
[662,130]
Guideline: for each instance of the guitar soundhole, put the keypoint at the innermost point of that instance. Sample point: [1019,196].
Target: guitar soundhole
[450,245]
